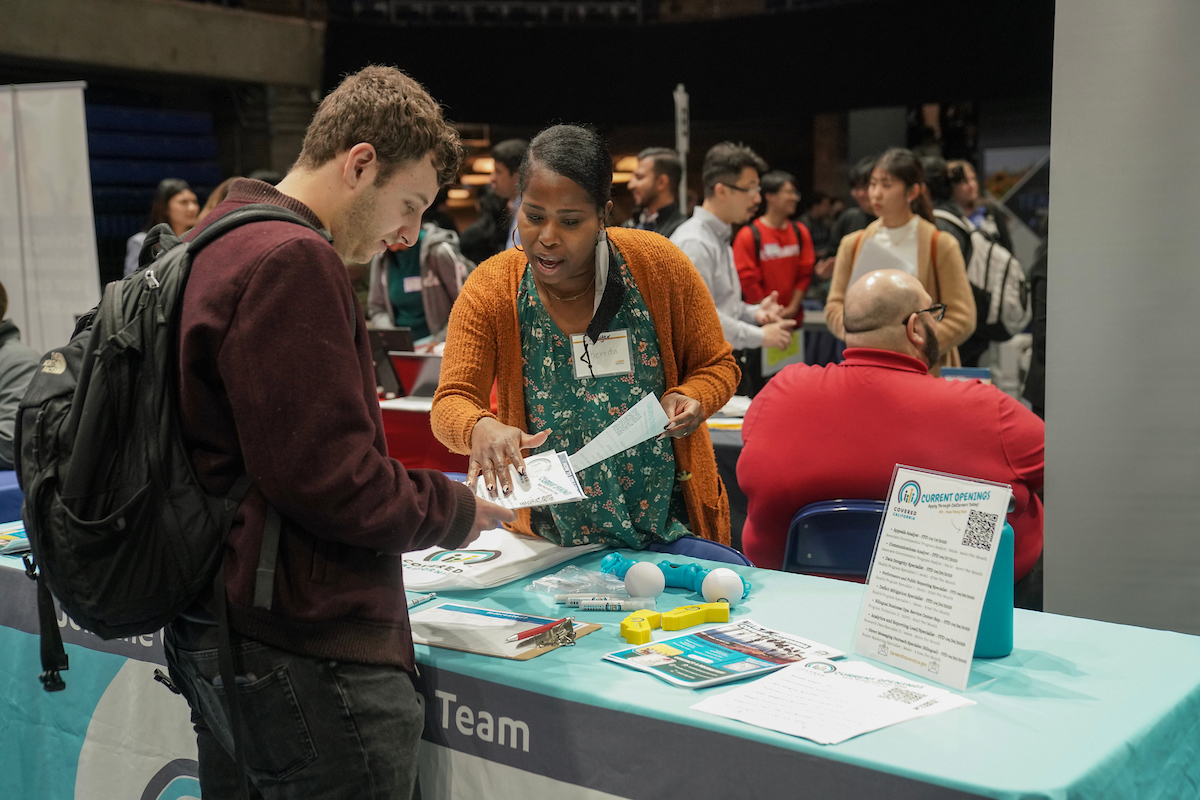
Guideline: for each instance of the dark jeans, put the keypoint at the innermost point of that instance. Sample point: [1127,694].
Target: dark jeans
[315,729]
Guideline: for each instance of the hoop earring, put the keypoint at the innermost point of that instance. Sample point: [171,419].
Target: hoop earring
[515,243]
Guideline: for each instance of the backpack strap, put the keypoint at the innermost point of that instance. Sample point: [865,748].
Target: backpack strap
[161,235]
[254,212]
[862,238]
[933,263]
[264,576]
[54,655]
[757,242]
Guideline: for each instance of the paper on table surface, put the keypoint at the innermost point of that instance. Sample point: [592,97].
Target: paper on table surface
[644,421]
[737,406]
[551,481]
[829,703]
[873,256]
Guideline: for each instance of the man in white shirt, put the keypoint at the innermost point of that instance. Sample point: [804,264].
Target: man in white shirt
[731,195]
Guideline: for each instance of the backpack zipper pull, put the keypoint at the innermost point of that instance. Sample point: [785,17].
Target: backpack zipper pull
[151,280]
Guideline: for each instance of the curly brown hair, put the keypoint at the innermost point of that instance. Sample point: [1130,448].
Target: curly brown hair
[387,109]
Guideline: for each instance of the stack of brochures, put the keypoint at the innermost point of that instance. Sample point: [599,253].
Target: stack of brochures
[497,557]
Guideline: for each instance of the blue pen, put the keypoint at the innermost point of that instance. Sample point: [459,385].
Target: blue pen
[421,598]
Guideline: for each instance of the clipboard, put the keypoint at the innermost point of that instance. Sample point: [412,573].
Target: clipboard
[474,629]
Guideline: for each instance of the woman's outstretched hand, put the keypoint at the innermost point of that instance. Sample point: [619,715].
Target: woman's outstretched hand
[494,446]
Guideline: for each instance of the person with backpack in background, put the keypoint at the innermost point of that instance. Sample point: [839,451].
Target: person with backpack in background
[774,254]
[982,213]
[906,231]
[997,280]
[174,203]
[415,287]
[275,381]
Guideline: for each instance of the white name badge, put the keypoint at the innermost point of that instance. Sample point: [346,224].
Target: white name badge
[412,283]
[609,356]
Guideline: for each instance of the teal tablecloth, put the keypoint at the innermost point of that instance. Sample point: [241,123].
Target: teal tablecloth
[1080,709]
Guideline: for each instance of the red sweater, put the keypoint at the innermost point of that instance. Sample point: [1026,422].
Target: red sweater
[836,432]
[276,381]
[783,264]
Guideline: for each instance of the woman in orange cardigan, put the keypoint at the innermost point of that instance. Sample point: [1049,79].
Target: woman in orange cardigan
[905,229]
[514,322]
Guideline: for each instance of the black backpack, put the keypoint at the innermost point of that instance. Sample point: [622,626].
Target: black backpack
[122,532]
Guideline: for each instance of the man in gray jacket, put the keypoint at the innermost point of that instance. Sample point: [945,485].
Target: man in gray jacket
[416,287]
[17,365]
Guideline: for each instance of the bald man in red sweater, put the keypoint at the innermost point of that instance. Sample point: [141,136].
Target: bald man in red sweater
[836,432]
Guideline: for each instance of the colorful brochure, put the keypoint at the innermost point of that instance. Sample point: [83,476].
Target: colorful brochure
[722,654]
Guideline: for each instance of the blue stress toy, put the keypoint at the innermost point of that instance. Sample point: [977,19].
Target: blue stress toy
[720,583]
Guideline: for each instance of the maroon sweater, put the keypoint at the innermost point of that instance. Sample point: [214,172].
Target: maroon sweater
[276,381]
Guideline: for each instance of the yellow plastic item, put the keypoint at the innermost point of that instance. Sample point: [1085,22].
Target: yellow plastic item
[635,629]
[687,616]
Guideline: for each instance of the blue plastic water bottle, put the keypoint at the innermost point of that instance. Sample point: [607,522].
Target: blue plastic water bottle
[995,637]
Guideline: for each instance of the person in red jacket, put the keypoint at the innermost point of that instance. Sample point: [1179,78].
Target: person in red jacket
[774,254]
[836,432]
[781,257]
[276,382]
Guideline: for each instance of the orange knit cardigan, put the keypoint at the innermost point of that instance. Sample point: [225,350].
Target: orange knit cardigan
[483,343]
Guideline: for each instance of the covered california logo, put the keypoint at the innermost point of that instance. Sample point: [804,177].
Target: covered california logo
[463,556]
[909,493]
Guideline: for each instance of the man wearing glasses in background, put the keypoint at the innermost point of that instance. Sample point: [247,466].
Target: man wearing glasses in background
[834,432]
[731,197]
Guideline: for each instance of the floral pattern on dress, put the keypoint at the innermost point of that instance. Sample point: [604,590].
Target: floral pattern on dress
[633,498]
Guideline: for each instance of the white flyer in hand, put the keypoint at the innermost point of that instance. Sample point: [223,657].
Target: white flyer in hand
[930,573]
[551,481]
[644,421]
[829,703]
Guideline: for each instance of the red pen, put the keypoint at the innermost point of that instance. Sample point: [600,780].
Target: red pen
[516,637]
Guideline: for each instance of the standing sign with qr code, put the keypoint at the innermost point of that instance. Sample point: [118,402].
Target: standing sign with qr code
[930,572]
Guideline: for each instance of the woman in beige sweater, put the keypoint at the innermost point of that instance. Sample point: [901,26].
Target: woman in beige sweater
[905,229]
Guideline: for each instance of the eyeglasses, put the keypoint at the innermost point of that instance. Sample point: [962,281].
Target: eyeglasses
[937,310]
[755,189]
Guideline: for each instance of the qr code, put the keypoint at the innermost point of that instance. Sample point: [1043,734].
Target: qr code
[902,695]
[980,527]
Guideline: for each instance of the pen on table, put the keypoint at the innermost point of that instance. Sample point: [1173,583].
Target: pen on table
[421,598]
[516,637]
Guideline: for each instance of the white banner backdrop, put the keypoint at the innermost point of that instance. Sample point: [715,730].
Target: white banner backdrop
[48,261]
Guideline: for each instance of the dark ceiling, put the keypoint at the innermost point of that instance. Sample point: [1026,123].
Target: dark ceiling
[779,65]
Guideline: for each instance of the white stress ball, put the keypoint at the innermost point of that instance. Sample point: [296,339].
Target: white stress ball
[722,584]
[645,580]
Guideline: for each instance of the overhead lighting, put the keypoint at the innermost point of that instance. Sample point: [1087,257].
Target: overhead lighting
[622,177]
[484,164]
[475,180]
[459,194]
[627,164]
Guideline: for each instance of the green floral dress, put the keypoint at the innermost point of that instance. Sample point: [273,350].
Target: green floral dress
[632,498]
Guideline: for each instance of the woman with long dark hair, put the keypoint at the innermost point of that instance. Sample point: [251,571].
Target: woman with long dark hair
[174,203]
[905,229]
[523,320]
